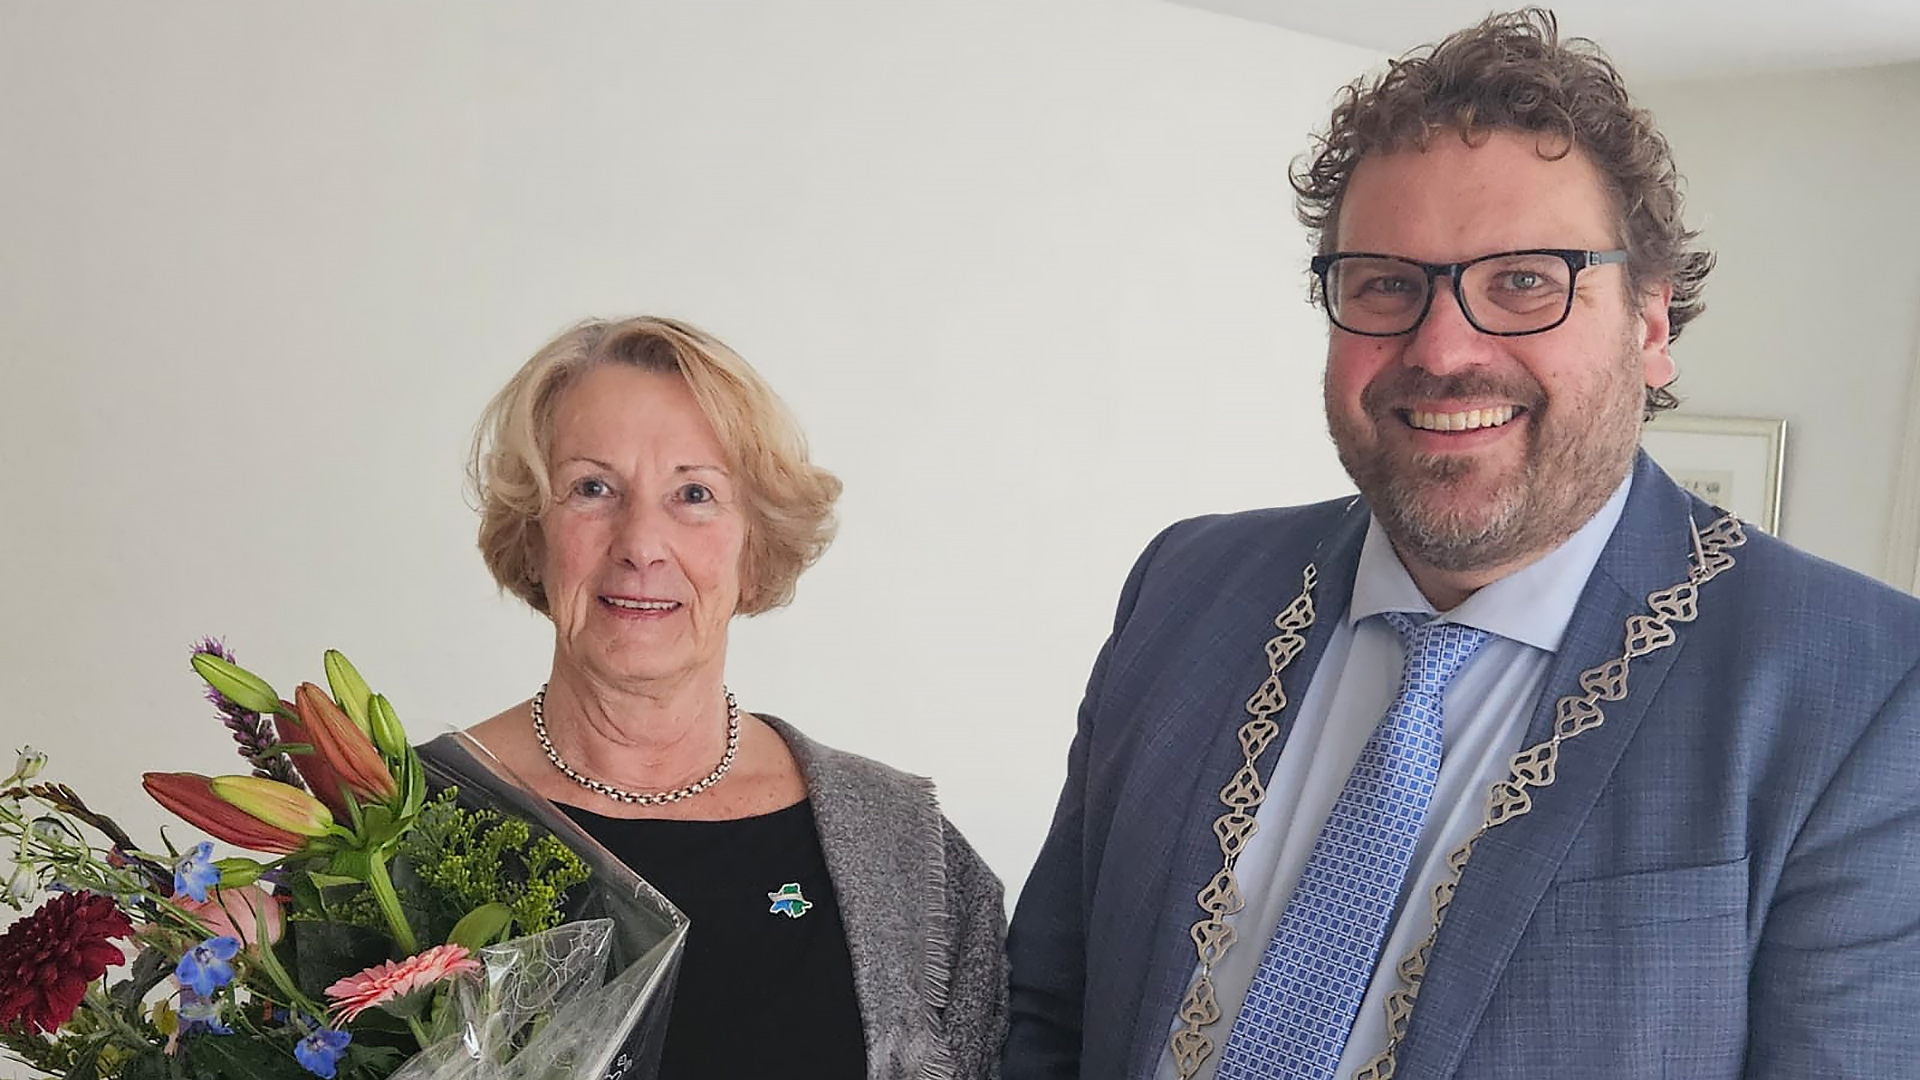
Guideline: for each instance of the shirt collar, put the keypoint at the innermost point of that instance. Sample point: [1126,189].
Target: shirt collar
[1532,605]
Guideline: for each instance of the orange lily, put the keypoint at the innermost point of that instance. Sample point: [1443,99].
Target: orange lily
[271,802]
[339,744]
[191,796]
[320,778]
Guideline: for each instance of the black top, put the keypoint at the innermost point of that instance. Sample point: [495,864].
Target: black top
[766,984]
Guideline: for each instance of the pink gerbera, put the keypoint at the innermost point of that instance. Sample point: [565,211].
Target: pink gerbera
[383,984]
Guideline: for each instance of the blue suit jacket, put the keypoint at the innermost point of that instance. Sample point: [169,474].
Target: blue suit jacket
[1723,881]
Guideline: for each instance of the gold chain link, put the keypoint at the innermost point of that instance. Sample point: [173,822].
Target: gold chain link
[1213,935]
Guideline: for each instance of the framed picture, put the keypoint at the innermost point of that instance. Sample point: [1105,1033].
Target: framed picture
[1733,462]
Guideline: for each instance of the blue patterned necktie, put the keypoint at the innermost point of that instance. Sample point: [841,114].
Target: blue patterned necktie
[1314,973]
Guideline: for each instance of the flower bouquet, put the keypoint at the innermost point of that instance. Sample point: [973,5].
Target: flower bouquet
[407,914]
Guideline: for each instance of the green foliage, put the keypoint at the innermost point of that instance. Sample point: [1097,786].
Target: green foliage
[148,970]
[325,952]
[82,1049]
[363,1060]
[37,1051]
[465,859]
[482,927]
[215,1057]
[150,1064]
[452,862]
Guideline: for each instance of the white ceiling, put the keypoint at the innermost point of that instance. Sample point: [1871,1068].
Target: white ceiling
[1657,39]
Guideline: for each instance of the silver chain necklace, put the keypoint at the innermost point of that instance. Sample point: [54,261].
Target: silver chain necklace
[639,798]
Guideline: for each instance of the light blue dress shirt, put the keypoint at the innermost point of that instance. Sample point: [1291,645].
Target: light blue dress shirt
[1487,708]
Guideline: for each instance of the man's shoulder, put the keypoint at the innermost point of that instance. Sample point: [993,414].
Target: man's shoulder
[1224,569]
[1771,575]
[1277,533]
[1784,621]
[1768,584]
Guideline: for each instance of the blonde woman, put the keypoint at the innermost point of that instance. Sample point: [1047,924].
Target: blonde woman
[641,487]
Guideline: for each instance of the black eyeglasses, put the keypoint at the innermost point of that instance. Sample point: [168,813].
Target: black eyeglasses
[1508,294]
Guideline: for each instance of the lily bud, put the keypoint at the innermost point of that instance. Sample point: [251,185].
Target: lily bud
[236,872]
[271,802]
[236,684]
[349,689]
[347,750]
[313,769]
[388,735]
[190,796]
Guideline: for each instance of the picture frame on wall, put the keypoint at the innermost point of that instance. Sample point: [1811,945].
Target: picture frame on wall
[1733,462]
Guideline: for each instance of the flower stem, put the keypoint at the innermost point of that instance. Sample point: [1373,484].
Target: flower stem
[127,1035]
[419,1031]
[382,885]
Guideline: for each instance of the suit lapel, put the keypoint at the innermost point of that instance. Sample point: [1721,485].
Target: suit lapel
[1170,967]
[1513,864]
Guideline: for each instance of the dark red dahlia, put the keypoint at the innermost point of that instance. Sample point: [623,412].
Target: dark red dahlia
[48,958]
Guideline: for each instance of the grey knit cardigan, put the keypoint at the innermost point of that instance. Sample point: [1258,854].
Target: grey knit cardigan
[925,919]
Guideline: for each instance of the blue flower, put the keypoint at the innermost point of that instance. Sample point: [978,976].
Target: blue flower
[204,968]
[195,873]
[200,1014]
[319,1052]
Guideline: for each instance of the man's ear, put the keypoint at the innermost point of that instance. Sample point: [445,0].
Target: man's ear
[1656,327]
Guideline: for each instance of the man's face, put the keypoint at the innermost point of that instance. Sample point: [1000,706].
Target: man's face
[1481,453]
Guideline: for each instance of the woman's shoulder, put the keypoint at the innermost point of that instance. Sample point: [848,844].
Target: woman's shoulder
[862,804]
[878,802]
[842,771]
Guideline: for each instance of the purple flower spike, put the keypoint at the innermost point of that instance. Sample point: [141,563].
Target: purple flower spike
[251,731]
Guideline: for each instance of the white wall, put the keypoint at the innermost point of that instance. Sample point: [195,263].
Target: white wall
[1805,185]
[1026,270]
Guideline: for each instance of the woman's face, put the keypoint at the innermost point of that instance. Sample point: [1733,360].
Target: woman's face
[644,535]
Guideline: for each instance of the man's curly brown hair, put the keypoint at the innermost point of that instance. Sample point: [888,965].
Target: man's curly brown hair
[1514,73]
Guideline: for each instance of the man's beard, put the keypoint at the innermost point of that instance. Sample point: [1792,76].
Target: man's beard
[1444,536]
[1578,450]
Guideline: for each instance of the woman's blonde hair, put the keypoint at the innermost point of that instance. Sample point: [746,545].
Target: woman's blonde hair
[788,499]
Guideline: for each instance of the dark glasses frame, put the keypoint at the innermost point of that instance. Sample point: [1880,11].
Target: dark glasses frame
[1576,260]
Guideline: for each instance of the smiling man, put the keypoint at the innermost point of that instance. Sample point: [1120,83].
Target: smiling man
[1524,762]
